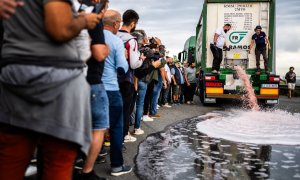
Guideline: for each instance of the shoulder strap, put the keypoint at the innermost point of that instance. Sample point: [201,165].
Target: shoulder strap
[127,47]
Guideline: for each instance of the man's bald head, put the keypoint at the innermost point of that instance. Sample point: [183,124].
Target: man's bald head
[111,16]
[112,21]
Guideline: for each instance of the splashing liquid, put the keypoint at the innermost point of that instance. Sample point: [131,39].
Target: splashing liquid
[250,97]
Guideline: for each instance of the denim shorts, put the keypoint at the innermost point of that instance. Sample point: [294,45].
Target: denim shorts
[175,90]
[100,107]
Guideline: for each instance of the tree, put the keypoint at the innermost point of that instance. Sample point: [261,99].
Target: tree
[175,58]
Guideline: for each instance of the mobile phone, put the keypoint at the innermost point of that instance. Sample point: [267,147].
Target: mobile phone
[99,7]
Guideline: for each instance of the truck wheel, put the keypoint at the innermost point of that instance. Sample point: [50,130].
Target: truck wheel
[202,96]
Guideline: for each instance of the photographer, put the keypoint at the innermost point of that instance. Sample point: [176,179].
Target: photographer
[156,82]
[149,66]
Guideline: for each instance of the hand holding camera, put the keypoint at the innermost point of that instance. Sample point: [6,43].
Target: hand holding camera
[156,64]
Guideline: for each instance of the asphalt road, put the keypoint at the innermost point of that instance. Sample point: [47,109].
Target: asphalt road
[173,115]
[168,117]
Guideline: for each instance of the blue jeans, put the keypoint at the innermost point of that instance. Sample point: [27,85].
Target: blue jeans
[116,128]
[99,107]
[165,95]
[142,89]
[155,96]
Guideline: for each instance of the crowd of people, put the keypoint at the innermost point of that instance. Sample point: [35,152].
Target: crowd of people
[75,75]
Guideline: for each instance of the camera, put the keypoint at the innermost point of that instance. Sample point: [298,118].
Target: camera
[153,41]
[148,52]
[162,50]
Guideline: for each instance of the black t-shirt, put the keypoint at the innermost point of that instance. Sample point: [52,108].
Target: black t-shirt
[95,68]
[260,40]
[290,77]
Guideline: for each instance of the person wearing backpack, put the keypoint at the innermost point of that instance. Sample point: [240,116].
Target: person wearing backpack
[126,82]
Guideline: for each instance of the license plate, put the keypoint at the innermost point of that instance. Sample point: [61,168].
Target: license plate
[227,87]
[269,85]
[210,100]
[272,102]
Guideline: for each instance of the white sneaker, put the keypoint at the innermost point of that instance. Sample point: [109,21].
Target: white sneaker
[129,138]
[31,170]
[138,131]
[167,106]
[158,106]
[146,118]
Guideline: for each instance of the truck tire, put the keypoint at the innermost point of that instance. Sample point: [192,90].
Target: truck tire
[202,97]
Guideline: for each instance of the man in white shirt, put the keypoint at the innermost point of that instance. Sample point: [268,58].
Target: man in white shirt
[167,80]
[217,47]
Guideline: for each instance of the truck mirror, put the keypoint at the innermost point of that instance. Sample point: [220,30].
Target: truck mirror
[179,57]
[184,55]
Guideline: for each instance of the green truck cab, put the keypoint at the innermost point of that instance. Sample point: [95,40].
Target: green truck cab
[244,16]
[189,51]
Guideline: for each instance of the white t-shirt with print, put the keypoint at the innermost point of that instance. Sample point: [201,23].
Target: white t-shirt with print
[168,71]
[221,39]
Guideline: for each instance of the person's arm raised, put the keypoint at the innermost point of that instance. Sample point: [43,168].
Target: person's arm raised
[60,23]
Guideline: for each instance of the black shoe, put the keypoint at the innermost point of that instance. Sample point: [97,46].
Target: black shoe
[257,71]
[103,152]
[79,164]
[100,160]
[90,176]
[124,170]
[267,72]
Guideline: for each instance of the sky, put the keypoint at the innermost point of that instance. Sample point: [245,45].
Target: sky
[174,21]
